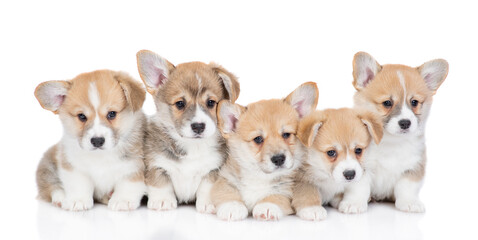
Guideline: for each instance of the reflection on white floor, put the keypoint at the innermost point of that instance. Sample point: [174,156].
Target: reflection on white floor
[380,222]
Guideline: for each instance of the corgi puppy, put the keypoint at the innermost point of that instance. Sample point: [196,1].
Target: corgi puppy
[403,96]
[337,141]
[183,149]
[264,154]
[100,156]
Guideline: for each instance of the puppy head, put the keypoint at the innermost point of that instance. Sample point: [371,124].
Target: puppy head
[402,95]
[186,95]
[263,134]
[338,140]
[95,108]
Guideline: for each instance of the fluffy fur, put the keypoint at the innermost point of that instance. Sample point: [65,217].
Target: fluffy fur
[264,154]
[337,140]
[100,155]
[182,146]
[402,96]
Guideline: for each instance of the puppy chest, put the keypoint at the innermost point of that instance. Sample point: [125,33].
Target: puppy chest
[328,189]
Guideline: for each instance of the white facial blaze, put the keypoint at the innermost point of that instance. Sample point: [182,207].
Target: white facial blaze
[349,164]
[199,117]
[405,113]
[97,130]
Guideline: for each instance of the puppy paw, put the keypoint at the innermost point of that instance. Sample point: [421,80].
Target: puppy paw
[352,207]
[163,204]
[77,204]
[205,206]
[232,211]
[313,213]
[267,212]
[57,197]
[118,204]
[414,206]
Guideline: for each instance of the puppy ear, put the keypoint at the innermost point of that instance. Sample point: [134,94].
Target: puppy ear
[228,115]
[365,69]
[434,73]
[52,94]
[308,129]
[229,81]
[153,69]
[304,98]
[133,90]
[374,125]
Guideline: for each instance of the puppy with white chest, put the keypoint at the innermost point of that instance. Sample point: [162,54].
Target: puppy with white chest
[100,155]
[337,141]
[183,148]
[264,154]
[403,96]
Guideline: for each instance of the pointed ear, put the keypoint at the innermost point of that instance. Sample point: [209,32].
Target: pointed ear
[308,129]
[304,98]
[434,73]
[374,125]
[133,90]
[52,94]
[228,115]
[153,69]
[365,69]
[229,81]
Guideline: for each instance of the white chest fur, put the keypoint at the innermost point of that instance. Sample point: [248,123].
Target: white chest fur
[387,162]
[186,173]
[103,168]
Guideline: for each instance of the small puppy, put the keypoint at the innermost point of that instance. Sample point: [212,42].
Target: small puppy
[403,96]
[183,149]
[337,141]
[263,155]
[100,155]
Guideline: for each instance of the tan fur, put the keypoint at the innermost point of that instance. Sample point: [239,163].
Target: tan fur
[46,176]
[280,200]
[305,194]
[156,177]
[222,191]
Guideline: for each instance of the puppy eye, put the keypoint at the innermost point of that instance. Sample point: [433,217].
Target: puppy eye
[358,151]
[285,135]
[82,117]
[111,115]
[211,103]
[414,103]
[258,139]
[180,105]
[387,104]
[332,153]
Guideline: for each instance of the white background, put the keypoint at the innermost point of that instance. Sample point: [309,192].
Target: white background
[273,47]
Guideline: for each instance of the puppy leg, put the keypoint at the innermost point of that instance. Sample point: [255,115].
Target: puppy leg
[406,195]
[160,190]
[228,201]
[78,190]
[203,194]
[307,203]
[128,193]
[272,207]
[50,188]
[356,197]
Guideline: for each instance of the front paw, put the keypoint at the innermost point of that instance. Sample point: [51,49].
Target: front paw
[267,212]
[77,204]
[347,206]
[203,206]
[232,211]
[123,204]
[414,206]
[313,213]
[163,204]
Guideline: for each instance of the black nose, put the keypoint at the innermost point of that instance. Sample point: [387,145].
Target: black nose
[349,174]
[198,127]
[98,141]
[278,159]
[404,123]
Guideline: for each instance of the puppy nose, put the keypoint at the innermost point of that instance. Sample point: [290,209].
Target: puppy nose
[198,127]
[349,174]
[98,141]
[278,159]
[404,124]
